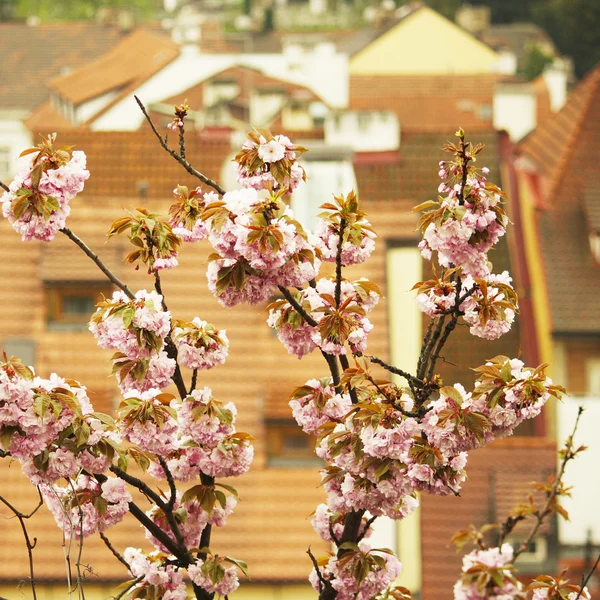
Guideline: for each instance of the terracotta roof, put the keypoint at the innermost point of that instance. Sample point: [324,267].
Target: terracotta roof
[565,151]
[550,144]
[428,102]
[33,54]
[132,60]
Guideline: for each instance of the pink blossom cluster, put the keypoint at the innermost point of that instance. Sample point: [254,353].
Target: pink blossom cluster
[488,307]
[490,310]
[214,576]
[379,569]
[463,229]
[186,213]
[37,203]
[259,245]
[136,329]
[147,420]
[316,403]
[159,579]
[487,574]
[49,425]
[84,506]
[206,440]
[199,344]
[357,299]
[357,245]
[547,593]
[268,162]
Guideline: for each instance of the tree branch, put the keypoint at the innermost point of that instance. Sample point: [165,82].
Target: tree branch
[115,553]
[111,276]
[4,187]
[180,159]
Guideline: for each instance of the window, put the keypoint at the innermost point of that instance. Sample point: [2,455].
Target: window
[288,445]
[69,306]
[5,169]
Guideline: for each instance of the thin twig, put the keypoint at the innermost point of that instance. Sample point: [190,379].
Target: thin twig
[111,276]
[114,551]
[410,378]
[4,187]
[541,515]
[181,160]
[129,587]
[585,581]
[30,546]
[323,583]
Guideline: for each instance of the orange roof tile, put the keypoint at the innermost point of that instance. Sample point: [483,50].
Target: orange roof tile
[33,54]
[139,55]
[428,102]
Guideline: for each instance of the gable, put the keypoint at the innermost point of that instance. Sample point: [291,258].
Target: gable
[424,43]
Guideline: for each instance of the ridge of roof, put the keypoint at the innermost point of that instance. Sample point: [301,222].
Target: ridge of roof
[551,144]
[134,58]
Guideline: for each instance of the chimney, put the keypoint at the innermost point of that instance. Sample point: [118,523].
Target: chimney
[555,77]
[475,19]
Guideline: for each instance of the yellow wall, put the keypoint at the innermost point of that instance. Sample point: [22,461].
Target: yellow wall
[404,269]
[424,43]
[539,290]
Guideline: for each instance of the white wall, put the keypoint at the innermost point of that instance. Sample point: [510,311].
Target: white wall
[363,131]
[515,110]
[324,179]
[15,137]
[583,472]
[322,71]
[92,107]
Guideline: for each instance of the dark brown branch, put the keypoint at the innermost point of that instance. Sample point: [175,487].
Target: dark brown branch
[180,159]
[172,486]
[410,378]
[4,187]
[115,553]
[194,380]
[297,306]
[111,276]
[323,583]
[151,494]
[338,264]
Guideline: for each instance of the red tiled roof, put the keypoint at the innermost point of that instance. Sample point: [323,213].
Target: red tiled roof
[565,150]
[428,102]
[133,59]
[33,54]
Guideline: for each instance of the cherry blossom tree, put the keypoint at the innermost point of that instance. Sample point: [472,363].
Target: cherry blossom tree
[382,444]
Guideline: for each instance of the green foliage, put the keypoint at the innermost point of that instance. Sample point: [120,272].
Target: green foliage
[51,10]
[535,62]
